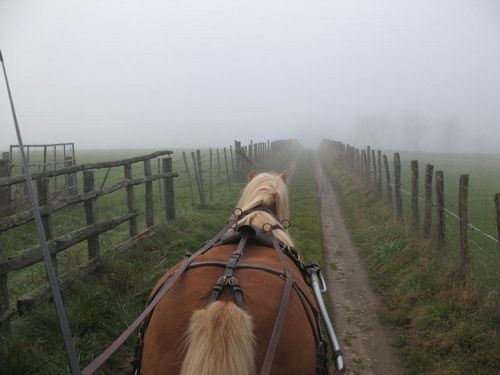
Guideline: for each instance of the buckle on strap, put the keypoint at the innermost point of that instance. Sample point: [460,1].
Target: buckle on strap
[225,280]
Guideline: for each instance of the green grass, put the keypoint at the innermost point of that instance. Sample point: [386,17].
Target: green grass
[484,182]
[101,306]
[442,327]
[305,219]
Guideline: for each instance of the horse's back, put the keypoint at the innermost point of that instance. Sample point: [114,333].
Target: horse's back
[165,339]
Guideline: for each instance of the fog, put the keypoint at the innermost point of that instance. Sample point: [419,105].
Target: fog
[420,75]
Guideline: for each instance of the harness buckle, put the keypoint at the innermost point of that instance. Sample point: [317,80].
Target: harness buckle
[225,280]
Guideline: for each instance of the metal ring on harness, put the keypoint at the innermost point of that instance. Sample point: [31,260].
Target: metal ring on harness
[233,222]
[267,227]
[236,210]
[286,223]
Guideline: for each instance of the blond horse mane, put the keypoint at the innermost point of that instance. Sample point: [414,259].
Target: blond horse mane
[269,190]
[220,338]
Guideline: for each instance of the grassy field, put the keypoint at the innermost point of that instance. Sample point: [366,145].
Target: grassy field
[442,328]
[102,305]
[484,182]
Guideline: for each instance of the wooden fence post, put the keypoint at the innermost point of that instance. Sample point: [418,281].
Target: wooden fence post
[362,163]
[54,155]
[169,188]
[5,209]
[210,177]
[237,158]
[429,169]
[379,162]
[4,295]
[200,173]
[132,207]
[93,244]
[158,168]
[358,162]
[365,166]
[70,178]
[197,176]
[190,182]
[5,192]
[497,209]
[463,203]
[42,189]
[374,163]
[148,194]
[441,225]
[218,165]
[388,181]
[227,168]
[397,186]
[232,159]
[44,158]
[414,195]
[368,163]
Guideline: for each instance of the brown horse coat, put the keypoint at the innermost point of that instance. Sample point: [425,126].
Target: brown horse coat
[164,341]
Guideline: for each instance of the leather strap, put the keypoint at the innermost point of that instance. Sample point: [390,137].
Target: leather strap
[104,356]
[280,320]
[228,278]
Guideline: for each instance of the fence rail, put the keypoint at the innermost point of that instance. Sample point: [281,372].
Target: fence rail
[7,181]
[93,228]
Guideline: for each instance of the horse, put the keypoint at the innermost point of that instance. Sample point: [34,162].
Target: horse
[240,305]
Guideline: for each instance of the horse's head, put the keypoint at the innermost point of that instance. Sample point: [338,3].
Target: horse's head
[270,191]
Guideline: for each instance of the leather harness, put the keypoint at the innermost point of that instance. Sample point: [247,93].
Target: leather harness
[240,235]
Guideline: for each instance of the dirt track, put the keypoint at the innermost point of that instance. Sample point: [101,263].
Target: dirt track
[364,341]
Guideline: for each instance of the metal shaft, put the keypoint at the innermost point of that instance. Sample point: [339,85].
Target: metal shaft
[56,293]
[339,360]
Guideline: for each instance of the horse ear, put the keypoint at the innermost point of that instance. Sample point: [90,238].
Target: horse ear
[252,175]
[284,176]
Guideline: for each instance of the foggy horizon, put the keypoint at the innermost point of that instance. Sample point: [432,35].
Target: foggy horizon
[402,75]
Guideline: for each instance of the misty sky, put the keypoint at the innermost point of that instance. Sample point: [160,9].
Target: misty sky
[420,74]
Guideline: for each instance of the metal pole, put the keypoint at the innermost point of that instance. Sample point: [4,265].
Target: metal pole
[56,293]
[339,360]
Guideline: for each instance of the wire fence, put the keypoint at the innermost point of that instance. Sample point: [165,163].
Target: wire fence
[469,216]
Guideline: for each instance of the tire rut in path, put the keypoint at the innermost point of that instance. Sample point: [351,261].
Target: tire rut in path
[363,339]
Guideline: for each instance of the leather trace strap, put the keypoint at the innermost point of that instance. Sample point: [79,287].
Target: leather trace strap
[280,320]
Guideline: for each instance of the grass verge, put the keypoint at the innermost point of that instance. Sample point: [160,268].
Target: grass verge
[443,327]
[306,223]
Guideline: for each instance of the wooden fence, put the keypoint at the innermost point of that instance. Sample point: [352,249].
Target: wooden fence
[90,233]
[362,164]
[40,158]
[225,165]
